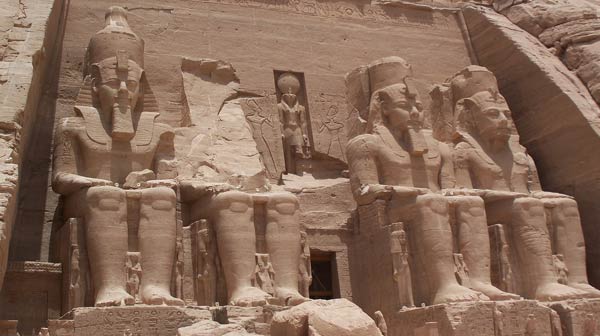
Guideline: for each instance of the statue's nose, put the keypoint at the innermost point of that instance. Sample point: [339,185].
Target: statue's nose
[123,89]
[414,113]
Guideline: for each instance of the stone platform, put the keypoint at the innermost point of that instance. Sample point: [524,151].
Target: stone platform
[487,318]
[579,317]
[145,320]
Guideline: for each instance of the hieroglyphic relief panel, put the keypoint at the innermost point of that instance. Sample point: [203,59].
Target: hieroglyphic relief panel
[328,117]
[140,321]
[261,114]
[412,16]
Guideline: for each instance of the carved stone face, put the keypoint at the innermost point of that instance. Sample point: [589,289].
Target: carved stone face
[491,116]
[399,108]
[117,89]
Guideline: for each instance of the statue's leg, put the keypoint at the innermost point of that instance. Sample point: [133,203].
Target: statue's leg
[233,216]
[157,236]
[569,241]
[283,245]
[106,235]
[474,244]
[533,246]
[434,244]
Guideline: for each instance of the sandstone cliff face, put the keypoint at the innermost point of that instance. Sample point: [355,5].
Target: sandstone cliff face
[28,35]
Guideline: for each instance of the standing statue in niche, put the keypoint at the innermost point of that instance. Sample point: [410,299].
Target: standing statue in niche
[489,158]
[294,128]
[112,138]
[264,273]
[400,161]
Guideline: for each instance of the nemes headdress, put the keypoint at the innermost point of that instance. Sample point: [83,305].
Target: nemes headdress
[116,46]
[474,83]
[382,74]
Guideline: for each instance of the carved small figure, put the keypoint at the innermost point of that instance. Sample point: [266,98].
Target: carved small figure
[555,322]
[179,269]
[461,270]
[264,274]
[134,273]
[399,251]
[75,290]
[531,326]
[293,119]
[305,266]
[561,269]
[204,259]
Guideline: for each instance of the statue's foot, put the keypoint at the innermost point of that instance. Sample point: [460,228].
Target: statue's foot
[113,297]
[591,291]
[290,297]
[157,296]
[557,292]
[457,293]
[492,292]
[249,297]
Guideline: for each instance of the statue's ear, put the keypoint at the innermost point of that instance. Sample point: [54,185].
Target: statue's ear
[95,75]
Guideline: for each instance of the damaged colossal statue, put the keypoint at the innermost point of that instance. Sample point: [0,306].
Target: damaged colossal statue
[490,161]
[399,161]
[114,152]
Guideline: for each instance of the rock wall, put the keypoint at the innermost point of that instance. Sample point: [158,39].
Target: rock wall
[29,32]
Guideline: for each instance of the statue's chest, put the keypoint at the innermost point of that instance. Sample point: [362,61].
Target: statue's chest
[116,153]
[401,168]
[509,172]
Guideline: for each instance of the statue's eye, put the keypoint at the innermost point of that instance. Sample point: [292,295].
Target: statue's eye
[507,114]
[492,113]
[132,85]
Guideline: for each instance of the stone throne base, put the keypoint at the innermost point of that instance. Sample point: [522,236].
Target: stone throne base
[501,318]
[145,320]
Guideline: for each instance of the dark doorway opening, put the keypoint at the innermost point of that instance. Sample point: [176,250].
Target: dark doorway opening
[324,275]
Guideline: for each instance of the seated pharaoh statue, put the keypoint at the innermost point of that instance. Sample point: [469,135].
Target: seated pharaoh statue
[490,161]
[399,161]
[112,153]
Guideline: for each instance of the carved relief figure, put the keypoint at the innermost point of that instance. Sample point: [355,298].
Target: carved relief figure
[264,273]
[261,123]
[490,159]
[75,290]
[204,263]
[333,127]
[292,115]
[305,266]
[112,136]
[134,274]
[399,250]
[400,161]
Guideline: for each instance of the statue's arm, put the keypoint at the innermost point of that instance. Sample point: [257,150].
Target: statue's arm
[364,175]
[65,178]
[461,157]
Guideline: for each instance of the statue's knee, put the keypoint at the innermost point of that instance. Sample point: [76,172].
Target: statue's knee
[529,206]
[473,205]
[283,203]
[233,200]
[435,202]
[105,197]
[159,198]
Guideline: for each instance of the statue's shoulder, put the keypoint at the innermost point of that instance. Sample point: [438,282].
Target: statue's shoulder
[363,142]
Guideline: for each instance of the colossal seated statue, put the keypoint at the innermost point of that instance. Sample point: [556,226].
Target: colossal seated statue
[231,213]
[399,161]
[113,152]
[489,158]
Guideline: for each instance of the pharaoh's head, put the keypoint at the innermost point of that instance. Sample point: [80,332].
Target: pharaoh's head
[481,109]
[114,66]
[394,100]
